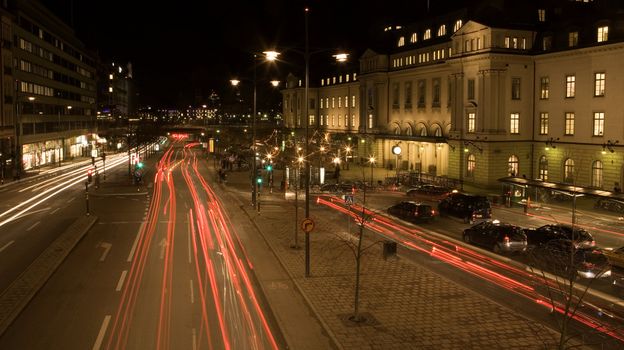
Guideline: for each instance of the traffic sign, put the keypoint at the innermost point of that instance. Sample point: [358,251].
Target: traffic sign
[307,225]
[348,198]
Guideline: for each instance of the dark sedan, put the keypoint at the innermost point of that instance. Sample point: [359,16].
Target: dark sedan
[412,211]
[544,234]
[497,236]
[555,256]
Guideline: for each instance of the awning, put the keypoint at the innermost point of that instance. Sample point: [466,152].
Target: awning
[561,187]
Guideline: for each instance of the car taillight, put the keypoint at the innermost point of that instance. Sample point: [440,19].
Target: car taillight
[506,240]
[592,243]
[432,212]
[416,213]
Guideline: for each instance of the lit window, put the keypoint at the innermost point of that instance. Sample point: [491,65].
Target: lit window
[570,86]
[442,30]
[333,120]
[333,102]
[370,121]
[515,88]
[568,171]
[339,120]
[523,43]
[547,43]
[339,102]
[353,101]
[311,119]
[471,165]
[514,42]
[353,120]
[544,87]
[346,101]
[599,84]
[414,38]
[427,35]
[507,42]
[401,41]
[514,126]
[321,103]
[597,174]
[472,122]
[603,34]
[599,119]
[544,123]
[569,123]
[110,76]
[321,119]
[541,15]
[110,89]
[458,24]
[513,165]
[572,39]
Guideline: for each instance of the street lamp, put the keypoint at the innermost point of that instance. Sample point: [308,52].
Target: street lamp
[396,150]
[371,160]
[336,166]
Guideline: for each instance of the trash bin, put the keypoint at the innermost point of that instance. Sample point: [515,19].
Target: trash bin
[389,249]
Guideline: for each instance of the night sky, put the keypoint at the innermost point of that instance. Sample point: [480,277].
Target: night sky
[183,48]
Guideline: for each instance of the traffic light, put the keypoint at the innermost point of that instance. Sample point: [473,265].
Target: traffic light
[139,165]
[89,175]
[269,167]
[259,180]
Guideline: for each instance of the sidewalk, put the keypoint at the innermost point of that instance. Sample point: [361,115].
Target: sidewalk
[407,306]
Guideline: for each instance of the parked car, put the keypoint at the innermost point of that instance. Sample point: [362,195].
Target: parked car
[610,204]
[337,188]
[466,207]
[616,259]
[413,211]
[431,192]
[500,237]
[544,234]
[588,262]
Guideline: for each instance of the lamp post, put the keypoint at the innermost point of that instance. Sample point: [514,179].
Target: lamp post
[396,150]
[269,56]
[371,160]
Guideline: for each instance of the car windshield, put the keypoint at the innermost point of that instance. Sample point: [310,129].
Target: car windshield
[424,209]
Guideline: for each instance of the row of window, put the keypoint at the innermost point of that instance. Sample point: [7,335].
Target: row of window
[340,120]
[50,74]
[333,102]
[423,57]
[47,55]
[600,79]
[421,92]
[327,81]
[602,35]
[36,89]
[598,123]
[427,33]
[513,169]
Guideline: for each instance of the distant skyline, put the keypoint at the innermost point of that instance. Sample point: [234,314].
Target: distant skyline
[181,48]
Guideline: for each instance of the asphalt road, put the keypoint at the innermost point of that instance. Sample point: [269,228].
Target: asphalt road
[163,270]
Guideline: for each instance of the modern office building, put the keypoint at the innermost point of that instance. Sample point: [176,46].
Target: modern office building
[54,87]
[531,90]
[116,92]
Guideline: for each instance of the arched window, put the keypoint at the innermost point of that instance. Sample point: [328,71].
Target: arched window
[471,164]
[568,171]
[423,131]
[543,168]
[401,41]
[458,24]
[513,165]
[414,38]
[397,130]
[437,131]
[427,34]
[597,174]
[408,131]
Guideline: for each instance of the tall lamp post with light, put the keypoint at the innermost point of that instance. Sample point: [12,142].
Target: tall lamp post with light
[269,56]
[396,150]
[340,57]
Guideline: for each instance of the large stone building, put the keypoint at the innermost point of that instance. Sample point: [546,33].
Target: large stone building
[530,90]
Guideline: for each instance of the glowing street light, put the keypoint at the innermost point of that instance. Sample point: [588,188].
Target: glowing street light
[275,83]
[271,55]
[341,57]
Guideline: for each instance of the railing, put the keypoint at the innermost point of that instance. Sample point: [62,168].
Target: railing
[416,178]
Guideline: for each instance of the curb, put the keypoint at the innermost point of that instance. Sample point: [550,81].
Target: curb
[17,296]
[330,333]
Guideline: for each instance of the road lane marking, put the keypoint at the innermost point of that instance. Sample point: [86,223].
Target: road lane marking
[122,278]
[189,237]
[107,247]
[163,247]
[33,226]
[192,294]
[136,241]
[100,337]
[6,246]
[71,199]
[54,211]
